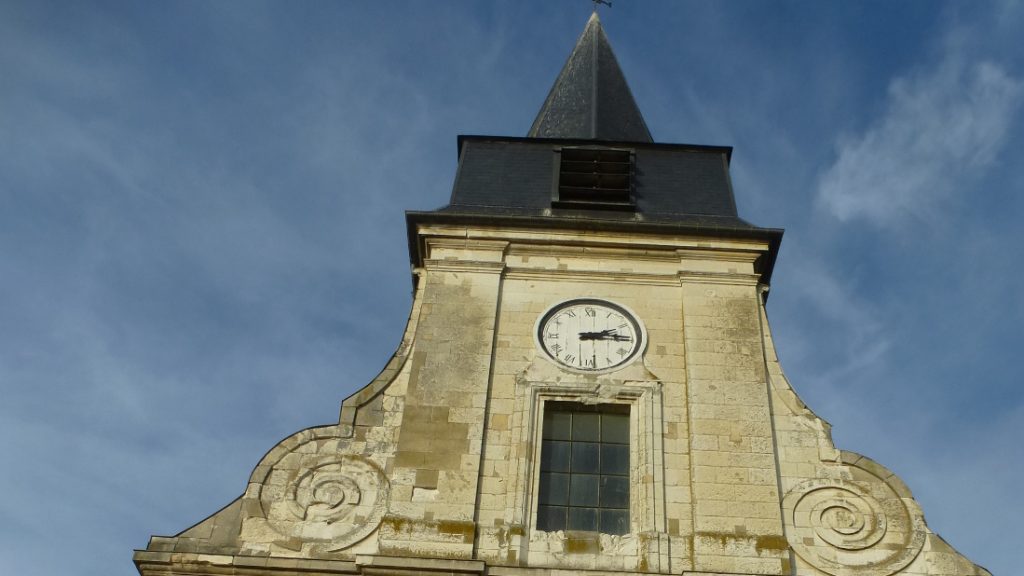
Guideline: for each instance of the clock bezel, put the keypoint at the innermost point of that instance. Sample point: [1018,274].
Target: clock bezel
[627,313]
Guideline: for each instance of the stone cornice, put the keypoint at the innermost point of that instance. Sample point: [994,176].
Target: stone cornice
[152,563]
[464,266]
[547,238]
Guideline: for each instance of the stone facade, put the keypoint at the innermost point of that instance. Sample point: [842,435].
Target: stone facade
[436,467]
[432,467]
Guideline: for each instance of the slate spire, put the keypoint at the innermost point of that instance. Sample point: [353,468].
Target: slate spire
[590,98]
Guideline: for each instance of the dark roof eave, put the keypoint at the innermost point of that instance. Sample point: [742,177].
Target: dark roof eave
[764,266]
[727,150]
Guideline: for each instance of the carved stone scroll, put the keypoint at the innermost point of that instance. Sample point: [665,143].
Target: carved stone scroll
[333,501]
[860,526]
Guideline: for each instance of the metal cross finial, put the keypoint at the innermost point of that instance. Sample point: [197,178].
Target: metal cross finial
[605,2]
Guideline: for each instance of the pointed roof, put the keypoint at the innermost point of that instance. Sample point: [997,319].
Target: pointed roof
[590,98]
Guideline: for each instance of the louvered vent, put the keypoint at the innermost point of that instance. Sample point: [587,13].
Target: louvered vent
[593,178]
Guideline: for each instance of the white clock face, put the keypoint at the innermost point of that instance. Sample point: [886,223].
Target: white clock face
[589,335]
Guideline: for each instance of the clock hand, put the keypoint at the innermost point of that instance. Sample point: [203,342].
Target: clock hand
[605,335]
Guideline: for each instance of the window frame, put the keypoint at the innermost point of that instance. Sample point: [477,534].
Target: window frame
[605,468]
[646,475]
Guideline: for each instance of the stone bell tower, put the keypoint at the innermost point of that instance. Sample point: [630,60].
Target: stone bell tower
[587,382]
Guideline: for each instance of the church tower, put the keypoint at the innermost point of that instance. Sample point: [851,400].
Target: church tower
[587,381]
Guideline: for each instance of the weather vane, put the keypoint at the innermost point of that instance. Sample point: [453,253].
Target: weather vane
[605,2]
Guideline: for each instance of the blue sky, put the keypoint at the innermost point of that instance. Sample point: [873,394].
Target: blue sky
[202,246]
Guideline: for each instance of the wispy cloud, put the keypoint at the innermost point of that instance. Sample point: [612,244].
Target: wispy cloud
[855,325]
[940,128]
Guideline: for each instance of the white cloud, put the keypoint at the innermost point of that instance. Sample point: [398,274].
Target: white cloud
[941,127]
[832,335]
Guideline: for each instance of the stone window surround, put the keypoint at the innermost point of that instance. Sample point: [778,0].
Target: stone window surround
[647,496]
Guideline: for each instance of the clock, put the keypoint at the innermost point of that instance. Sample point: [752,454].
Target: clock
[589,335]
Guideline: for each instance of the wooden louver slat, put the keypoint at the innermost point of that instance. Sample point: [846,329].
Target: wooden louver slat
[595,178]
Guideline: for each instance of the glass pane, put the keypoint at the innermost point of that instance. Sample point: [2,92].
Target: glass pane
[554,456]
[615,459]
[615,521]
[586,426]
[614,492]
[554,488]
[583,519]
[584,469]
[551,518]
[585,457]
[615,428]
[556,425]
[583,490]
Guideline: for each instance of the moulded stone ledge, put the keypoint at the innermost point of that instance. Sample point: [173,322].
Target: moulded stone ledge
[153,563]
[407,566]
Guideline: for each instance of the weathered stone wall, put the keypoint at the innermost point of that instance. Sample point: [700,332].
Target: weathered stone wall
[737,524]
[445,405]
[433,467]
